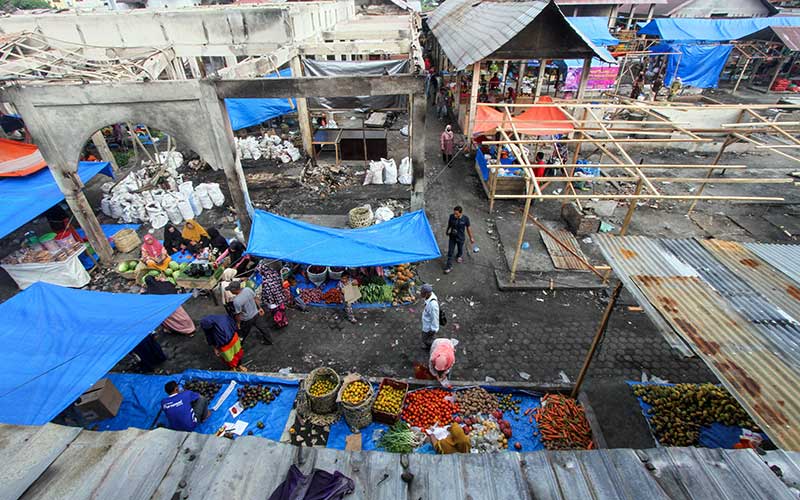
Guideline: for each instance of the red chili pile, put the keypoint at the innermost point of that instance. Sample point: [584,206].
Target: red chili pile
[427,407]
[333,296]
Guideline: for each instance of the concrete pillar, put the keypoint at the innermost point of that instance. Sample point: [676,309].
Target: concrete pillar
[629,23]
[650,11]
[540,79]
[194,68]
[612,16]
[99,141]
[523,66]
[180,73]
[230,61]
[418,105]
[587,67]
[302,111]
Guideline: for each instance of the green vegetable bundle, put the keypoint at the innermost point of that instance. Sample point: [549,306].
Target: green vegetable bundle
[399,439]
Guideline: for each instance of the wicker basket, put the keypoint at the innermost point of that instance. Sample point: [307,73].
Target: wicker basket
[327,402]
[358,416]
[126,240]
[361,217]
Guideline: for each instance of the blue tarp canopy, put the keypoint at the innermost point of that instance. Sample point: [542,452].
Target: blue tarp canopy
[698,65]
[248,112]
[407,238]
[595,29]
[711,30]
[24,198]
[57,342]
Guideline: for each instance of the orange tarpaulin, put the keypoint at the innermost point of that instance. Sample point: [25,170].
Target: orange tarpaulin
[547,120]
[487,119]
[18,159]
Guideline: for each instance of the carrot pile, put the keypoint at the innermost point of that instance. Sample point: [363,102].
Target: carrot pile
[562,424]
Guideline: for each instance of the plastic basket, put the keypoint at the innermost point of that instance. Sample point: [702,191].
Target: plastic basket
[388,418]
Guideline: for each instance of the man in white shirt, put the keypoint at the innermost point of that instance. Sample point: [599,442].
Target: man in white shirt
[430,316]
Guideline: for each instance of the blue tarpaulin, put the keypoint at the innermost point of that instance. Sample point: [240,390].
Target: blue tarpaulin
[595,29]
[404,239]
[248,112]
[698,65]
[25,198]
[711,30]
[57,342]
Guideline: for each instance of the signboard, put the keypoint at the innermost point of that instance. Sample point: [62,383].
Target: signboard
[600,78]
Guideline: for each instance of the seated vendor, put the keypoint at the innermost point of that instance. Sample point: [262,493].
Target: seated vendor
[217,241]
[196,237]
[494,82]
[456,442]
[184,409]
[154,255]
[173,241]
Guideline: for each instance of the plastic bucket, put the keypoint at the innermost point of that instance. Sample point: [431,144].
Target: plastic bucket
[317,278]
[49,242]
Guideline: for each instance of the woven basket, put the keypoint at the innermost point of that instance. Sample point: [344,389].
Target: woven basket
[359,416]
[126,240]
[327,402]
[361,217]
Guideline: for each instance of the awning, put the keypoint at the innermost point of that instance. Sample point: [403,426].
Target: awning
[487,119]
[735,309]
[595,29]
[543,120]
[248,112]
[697,65]
[407,238]
[24,198]
[18,158]
[57,342]
[788,35]
[711,30]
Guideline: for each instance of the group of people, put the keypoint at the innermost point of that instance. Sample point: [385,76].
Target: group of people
[192,240]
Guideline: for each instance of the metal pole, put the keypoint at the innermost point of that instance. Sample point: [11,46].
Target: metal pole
[601,330]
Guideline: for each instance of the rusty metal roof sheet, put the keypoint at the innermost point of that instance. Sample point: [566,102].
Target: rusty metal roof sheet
[562,259]
[699,290]
[164,464]
[785,258]
[789,35]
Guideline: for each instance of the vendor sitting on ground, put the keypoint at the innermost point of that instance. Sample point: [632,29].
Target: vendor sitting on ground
[456,442]
[154,255]
[217,241]
[183,407]
[195,235]
[173,241]
[442,359]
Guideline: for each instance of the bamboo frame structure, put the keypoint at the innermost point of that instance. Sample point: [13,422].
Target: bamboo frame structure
[600,125]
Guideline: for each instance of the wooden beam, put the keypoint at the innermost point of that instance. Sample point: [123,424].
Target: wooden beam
[339,86]
[418,106]
[631,208]
[587,67]
[539,79]
[473,99]
[521,235]
[99,141]
[388,47]
[303,119]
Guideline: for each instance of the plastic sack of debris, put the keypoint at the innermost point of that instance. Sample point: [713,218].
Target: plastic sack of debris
[214,192]
[389,171]
[172,159]
[404,172]
[201,194]
[383,214]
[374,173]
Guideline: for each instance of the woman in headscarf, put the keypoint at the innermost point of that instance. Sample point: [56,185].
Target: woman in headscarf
[217,240]
[195,235]
[173,241]
[272,294]
[456,442]
[149,353]
[221,334]
[179,321]
[154,255]
[447,143]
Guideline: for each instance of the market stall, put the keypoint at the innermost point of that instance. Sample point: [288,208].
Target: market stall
[59,264]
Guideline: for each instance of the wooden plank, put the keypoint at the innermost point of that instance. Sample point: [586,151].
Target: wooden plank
[561,258]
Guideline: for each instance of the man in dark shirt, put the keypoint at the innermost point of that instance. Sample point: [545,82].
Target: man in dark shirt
[457,225]
[183,407]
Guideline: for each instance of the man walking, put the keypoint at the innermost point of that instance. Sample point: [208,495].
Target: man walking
[247,313]
[430,315]
[457,225]
[184,409]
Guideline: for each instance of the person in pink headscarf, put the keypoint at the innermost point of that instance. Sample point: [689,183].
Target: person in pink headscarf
[442,359]
[154,255]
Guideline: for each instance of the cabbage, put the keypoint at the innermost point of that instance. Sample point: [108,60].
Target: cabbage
[123,267]
[174,266]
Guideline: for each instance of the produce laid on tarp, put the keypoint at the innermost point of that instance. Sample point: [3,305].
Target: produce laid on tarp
[562,423]
[693,414]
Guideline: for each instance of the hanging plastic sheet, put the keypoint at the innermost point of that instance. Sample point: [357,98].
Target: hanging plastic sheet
[697,65]
[711,30]
[19,159]
[404,239]
[595,29]
[356,68]
[248,112]
[57,342]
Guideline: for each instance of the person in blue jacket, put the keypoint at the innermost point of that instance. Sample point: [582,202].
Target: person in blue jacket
[184,409]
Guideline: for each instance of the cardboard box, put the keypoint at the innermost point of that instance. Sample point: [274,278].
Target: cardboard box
[101,401]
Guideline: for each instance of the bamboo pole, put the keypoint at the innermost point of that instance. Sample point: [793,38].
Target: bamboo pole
[583,261]
[521,235]
[631,208]
[473,99]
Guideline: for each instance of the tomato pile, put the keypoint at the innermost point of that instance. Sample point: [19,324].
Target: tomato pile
[426,407]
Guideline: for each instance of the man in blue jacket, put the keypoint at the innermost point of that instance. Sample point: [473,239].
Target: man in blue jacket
[183,407]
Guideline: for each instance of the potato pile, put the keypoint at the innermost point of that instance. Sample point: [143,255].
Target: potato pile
[475,400]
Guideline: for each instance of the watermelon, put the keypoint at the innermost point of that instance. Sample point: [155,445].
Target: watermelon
[132,264]
[168,272]
[172,280]
[177,275]
[154,272]
[184,265]
[174,266]
[123,267]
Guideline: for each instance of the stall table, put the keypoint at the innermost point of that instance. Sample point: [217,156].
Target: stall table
[68,272]
[327,137]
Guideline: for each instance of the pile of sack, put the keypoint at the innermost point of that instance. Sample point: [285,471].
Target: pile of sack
[131,200]
[386,172]
[271,147]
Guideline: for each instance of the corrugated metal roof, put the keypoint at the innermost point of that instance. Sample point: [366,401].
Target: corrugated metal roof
[562,259]
[154,464]
[785,258]
[700,290]
[609,3]
[470,30]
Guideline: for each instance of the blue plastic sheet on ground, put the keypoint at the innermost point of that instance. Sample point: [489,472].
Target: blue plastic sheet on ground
[71,339]
[302,282]
[369,434]
[142,395]
[711,30]
[248,112]
[716,435]
[404,239]
[24,198]
[697,65]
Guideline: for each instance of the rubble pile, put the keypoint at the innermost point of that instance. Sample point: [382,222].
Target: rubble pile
[271,147]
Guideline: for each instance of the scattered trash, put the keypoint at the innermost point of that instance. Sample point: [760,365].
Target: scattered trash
[285,371]
[525,376]
[605,227]
[489,379]
[525,245]
[563,376]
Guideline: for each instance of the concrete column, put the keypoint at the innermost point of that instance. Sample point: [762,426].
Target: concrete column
[473,98]
[630,17]
[523,67]
[194,68]
[418,105]
[540,79]
[302,111]
[650,11]
[230,61]
[99,141]
[587,67]
[177,64]
[612,16]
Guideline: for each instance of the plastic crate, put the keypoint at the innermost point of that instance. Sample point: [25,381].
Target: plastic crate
[388,418]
